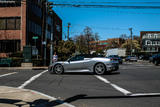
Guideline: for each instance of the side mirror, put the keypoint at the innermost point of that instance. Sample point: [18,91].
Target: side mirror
[69,60]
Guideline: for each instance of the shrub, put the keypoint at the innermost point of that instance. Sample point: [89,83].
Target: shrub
[16,62]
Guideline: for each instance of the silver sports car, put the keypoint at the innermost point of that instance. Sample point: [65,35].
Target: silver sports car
[83,63]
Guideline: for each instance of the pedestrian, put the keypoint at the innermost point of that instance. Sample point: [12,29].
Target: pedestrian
[55,57]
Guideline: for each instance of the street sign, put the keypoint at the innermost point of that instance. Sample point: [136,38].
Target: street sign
[35,37]
[34,50]
[44,43]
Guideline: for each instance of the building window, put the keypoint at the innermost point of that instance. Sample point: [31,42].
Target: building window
[148,42]
[154,42]
[34,28]
[2,24]
[149,35]
[148,49]
[7,46]
[12,3]
[18,23]
[10,23]
[153,49]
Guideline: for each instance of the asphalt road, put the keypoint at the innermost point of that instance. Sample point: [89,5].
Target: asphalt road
[134,85]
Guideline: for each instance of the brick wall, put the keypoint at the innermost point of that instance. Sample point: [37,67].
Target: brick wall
[10,11]
[9,34]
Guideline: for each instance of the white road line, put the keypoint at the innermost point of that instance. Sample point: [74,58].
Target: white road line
[52,98]
[102,79]
[122,90]
[145,94]
[31,79]
[8,74]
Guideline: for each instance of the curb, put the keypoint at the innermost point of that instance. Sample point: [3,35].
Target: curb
[23,68]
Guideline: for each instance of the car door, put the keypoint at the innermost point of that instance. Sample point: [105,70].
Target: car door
[75,63]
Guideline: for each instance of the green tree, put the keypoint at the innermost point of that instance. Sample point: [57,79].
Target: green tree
[81,44]
[135,46]
[65,49]
[89,37]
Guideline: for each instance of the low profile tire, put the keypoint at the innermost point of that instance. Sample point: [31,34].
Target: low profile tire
[58,69]
[99,69]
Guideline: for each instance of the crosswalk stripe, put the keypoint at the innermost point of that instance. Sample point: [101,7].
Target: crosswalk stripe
[8,74]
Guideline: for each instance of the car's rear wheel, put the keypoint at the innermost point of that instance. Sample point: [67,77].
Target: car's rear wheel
[58,69]
[99,68]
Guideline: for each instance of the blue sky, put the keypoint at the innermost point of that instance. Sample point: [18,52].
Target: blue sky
[109,22]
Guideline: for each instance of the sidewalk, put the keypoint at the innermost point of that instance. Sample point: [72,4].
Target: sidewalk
[15,97]
[23,68]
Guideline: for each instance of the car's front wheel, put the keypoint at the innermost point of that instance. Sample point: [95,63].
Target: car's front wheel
[99,68]
[58,69]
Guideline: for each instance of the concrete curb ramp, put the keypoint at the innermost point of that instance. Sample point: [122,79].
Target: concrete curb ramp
[15,97]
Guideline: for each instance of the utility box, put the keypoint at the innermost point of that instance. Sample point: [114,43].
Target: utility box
[27,54]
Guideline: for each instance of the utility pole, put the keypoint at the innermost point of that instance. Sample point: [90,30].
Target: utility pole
[130,29]
[69,25]
[51,49]
[88,39]
[46,31]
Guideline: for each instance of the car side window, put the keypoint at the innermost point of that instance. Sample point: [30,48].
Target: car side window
[77,58]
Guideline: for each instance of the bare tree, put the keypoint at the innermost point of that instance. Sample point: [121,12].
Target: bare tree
[82,41]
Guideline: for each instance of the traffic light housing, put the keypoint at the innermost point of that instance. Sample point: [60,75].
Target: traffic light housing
[49,7]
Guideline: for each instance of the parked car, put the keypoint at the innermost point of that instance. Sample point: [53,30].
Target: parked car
[131,59]
[144,57]
[84,63]
[155,59]
[152,57]
[116,58]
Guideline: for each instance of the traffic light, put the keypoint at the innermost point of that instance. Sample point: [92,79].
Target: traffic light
[49,7]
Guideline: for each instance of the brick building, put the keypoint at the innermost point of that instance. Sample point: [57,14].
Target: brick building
[21,20]
[150,41]
[95,45]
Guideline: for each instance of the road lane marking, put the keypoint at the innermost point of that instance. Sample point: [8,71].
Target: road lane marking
[8,74]
[52,98]
[145,94]
[31,79]
[122,90]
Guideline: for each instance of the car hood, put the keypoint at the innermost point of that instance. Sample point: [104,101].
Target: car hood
[58,62]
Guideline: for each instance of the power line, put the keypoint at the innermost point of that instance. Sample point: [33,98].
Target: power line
[106,2]
[107,6]
[102,28]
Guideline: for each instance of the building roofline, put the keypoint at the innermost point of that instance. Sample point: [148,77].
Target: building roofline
[149,31]
[7,1]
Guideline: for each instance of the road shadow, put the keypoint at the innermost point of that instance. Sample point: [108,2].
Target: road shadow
[84,96]
[36,103]
[87,73]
